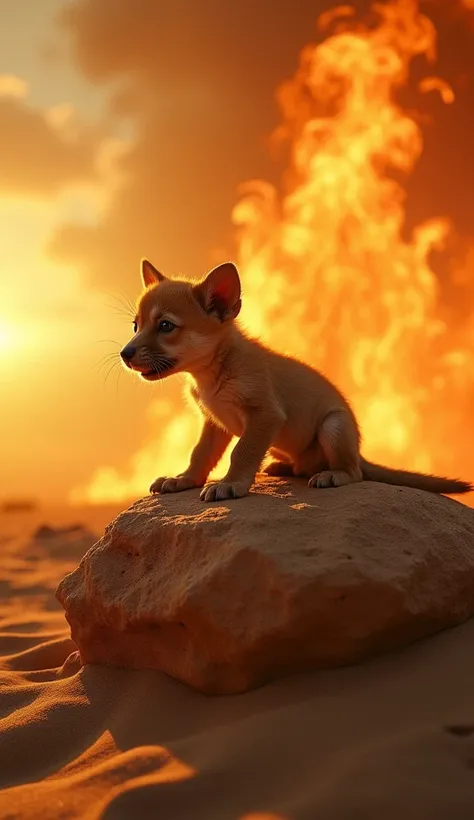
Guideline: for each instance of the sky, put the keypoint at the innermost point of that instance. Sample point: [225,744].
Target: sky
[81,87]
[126,129]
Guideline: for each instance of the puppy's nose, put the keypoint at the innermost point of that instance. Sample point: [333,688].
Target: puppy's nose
[128,353]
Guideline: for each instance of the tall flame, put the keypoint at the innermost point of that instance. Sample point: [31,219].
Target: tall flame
[326,273]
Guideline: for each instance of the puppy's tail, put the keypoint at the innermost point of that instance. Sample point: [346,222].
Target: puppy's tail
[418,481]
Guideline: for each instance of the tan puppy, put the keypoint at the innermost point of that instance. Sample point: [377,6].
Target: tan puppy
[271,402]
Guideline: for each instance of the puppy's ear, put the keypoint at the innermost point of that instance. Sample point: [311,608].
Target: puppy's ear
[219,292]
[150,275]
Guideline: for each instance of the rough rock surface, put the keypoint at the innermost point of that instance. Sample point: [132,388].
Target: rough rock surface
[227,596]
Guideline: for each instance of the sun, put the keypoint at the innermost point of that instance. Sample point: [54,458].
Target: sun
[8,334]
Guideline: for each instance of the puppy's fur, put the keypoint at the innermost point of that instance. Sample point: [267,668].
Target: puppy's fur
[271,402]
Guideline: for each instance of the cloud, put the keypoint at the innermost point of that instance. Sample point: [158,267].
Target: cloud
[39,156]
[12,86]
[196,89]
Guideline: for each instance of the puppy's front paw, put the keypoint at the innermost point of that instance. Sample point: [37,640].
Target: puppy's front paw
[221,490]
[173,485]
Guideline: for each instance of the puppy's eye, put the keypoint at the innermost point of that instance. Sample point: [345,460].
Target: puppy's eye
[135,326]
[165,326]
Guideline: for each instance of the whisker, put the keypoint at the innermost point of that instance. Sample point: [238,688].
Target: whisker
[124,306]
[160,367]
[108,356]
[128,301]
[101,363]
[119,373]
[124,312]
[160,362]
[114,359]
[110,370]
[104,360]
[121,299]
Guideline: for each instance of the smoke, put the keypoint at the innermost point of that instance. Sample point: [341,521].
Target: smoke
[39,155]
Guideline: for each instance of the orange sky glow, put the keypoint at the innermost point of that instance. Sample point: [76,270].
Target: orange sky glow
[352,238]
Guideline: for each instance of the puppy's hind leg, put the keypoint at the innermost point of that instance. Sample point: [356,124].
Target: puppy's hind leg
[339,439]
[280,466]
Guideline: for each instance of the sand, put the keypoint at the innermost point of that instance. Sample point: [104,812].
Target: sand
[390,738]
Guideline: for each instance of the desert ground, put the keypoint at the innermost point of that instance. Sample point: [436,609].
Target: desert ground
[391,738]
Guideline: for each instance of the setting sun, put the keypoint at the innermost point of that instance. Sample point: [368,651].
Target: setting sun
[8,334]
[15,337]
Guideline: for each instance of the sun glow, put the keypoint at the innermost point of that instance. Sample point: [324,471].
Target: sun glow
[9,334]
[16,339]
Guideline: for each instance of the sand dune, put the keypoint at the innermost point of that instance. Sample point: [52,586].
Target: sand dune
[392,738]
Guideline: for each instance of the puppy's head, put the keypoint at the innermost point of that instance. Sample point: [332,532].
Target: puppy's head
[179,325]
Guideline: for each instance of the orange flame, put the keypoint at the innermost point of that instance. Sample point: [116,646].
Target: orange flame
[327,275]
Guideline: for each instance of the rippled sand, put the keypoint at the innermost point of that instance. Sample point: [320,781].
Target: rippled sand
[393,738]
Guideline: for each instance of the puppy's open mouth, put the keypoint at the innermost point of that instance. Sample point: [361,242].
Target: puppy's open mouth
[161,370]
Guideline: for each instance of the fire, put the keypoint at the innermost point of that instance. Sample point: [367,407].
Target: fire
[326,273]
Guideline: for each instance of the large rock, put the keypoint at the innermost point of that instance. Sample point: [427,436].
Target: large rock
[227,596]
